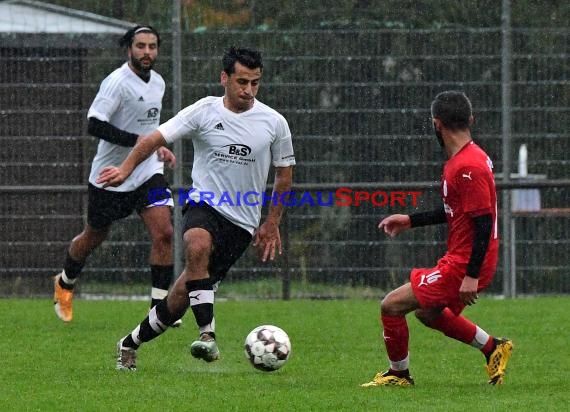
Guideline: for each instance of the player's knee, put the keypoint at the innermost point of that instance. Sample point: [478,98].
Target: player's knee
[387,305]
[198,244]
[198,252]
[396,304]
[163,236]
[91,238]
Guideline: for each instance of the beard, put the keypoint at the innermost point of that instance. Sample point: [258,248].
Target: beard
[140,66]
[438,136]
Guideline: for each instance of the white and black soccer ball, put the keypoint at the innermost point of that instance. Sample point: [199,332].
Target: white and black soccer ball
[267,347]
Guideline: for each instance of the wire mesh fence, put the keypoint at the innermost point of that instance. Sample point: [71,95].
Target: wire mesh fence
[357,102]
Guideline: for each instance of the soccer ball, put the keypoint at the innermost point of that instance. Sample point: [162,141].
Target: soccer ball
[267,347]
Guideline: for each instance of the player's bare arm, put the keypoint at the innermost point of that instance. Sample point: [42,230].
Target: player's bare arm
[115,176]
[267,238]
[395,224]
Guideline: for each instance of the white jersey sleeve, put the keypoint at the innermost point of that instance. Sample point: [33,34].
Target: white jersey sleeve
[186,122]
[107,100]
[282,154]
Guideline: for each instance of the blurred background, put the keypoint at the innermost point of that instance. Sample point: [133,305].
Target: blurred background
[355,80]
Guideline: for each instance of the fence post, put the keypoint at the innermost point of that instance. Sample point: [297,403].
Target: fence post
[508,275]
[177,147]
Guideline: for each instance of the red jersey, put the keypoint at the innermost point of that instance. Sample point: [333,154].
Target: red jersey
[468,190]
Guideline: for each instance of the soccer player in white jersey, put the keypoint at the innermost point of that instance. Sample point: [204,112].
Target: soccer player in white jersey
[236,139]
[127,105]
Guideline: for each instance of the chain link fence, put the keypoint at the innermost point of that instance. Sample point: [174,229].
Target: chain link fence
[357,102]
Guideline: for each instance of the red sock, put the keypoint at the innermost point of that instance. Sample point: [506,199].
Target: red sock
[456,327]
[396,337]
[489,346]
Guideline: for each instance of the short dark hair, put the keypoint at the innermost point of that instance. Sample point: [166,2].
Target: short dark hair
[128,37]
[250,58]
[453,108]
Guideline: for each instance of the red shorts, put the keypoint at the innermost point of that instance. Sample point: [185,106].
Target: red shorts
[438,287]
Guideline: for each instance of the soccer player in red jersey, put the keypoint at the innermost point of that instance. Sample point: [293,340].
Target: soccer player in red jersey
[438,295]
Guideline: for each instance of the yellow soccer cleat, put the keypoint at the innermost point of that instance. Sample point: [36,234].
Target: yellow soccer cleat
[387,379]
[498,359]
[62,299]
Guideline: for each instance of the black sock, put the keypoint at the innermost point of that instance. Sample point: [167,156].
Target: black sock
[495,342]
[129,342]
[72,270]
[201,295]
[161,278]
[152,326]
[164,314]
[158,320]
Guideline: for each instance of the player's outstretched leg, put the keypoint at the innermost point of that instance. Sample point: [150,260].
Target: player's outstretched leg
[154,325]
[498,359]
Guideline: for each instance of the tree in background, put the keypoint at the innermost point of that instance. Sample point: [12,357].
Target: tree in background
[326,14]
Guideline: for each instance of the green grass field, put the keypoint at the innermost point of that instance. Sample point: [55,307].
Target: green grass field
[50,366]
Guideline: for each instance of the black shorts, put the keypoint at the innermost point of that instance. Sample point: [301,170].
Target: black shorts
[104,206]
[230,241]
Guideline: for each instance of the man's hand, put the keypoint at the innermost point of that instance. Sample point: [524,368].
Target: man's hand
[111,176]
[165,155]
[468,290]
[267,240]
[395,224]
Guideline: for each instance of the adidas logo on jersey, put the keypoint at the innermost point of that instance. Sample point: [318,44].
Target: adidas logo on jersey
[219,126]
[141,99]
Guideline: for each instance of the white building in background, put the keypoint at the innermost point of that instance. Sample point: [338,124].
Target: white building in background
[29,16]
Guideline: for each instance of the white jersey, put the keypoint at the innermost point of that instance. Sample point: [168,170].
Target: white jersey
[232,155]
[133,105]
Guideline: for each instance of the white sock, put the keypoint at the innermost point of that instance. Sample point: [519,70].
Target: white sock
[401,365]
[66,280]
[481,338]
[210,327]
